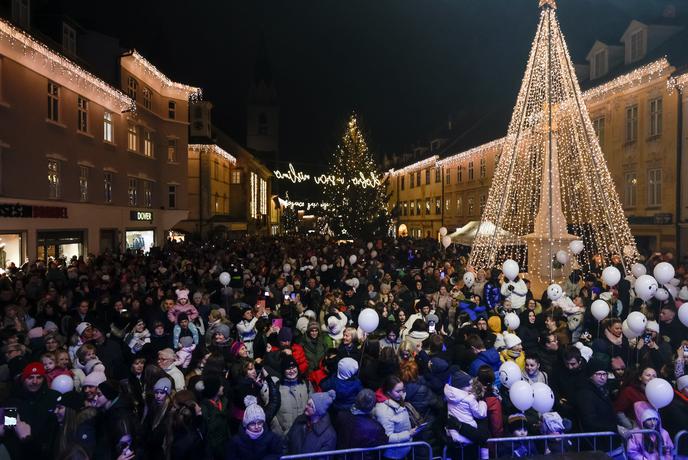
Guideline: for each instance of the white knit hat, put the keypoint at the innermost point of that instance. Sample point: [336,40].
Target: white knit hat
[511,340]
[652,326]
[94,379]
[682,383]
[253,412]
[347,368]
[81,327]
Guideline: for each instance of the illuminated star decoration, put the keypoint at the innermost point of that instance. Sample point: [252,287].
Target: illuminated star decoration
[550,3]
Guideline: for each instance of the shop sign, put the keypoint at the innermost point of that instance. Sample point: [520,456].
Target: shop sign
[27,211]
[141,216]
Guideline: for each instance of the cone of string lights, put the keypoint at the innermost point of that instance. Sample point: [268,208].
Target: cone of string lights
[551,185]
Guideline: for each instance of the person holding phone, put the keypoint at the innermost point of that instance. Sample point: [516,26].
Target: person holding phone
[392,414]
[247,327]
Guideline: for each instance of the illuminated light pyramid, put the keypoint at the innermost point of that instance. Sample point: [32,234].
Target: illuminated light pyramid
[551,184]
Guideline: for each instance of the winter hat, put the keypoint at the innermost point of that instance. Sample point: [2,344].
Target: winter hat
[511,340]
[71,399]
[287,362]
[313,325]
[683,293]
[586,352]
[652,326]
[109,390]
[285,335]
[94,365]
[552,423]
[495,324]
[222,329]
[211,385]
[302,324]
[186,341]
[94,379]
[322,401]
[81,327]
[347,368]
[182,294]
[253,412]
[31,369]
[49,326]
[516,421]
[598,362]
[164,384]
[365,400]
[460,380]
[36,333]
[438,365]
[682,383]
[234,349]
[310,314]
[432,318]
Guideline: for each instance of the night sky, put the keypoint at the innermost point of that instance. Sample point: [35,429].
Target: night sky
[405,66]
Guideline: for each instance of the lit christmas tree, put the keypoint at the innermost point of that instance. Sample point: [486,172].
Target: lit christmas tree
[290,218]
[358,198]
[551,185]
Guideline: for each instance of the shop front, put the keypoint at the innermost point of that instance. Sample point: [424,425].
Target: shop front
[60,244]
[11,249]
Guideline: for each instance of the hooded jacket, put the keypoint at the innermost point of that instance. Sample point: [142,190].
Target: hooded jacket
[637,447]
[488,357]
[465,408]
[396,422]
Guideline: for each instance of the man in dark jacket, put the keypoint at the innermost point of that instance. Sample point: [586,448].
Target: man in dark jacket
[116,424]
[110,354]
[675,415]
[368,431]
[484,357]
[567,378]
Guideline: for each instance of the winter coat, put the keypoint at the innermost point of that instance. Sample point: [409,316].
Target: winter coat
[189,309]
[136,340]
[465,408]
[675,415]
[368,433]
[488,357]
[184,356]
[346,391]
[241,447]
[423,399]
[517,296]
[314,350]
[384,342]
[395,420]
[294,398]
[34,409]
[178,330]
[304,437]
[520,359]
[216,422]
[636,448]
[352,351]
[596,413]
[629,395]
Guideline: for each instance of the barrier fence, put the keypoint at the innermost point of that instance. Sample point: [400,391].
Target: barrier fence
[416,451]
[607,441]
[681,445]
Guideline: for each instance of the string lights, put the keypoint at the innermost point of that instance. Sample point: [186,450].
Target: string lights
[369,180]
[415,166]
[167,87]
[214,149]
[552,177]
[19,46]
[635,77]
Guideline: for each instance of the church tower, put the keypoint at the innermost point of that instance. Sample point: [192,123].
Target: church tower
[262,124]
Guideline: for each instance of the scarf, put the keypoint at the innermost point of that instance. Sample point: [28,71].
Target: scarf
[617,341]
[253,435]
[513,354]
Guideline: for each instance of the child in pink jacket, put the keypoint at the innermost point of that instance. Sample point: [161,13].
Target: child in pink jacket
[463,404]
[642,446]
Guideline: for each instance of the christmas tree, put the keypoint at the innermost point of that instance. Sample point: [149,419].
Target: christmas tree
[290,219]
[357,197]
[552,184]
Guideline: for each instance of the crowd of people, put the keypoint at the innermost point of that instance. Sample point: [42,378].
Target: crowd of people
[251,349]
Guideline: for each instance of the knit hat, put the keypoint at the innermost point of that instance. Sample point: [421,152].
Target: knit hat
[516,421]
[682,383]
[365,400]
[652,326]
[438,365]
[36,333]
[182,294]
[50,326]
[313,325]
[683,293]
[586,352]
[222,329]
[460,380]
[302,324]
[109,390]
[322,401]
[81,327]
[94,379]
[234,349]
[253,412]
[186,341]
[164,384]
[94,365]
[347,368]
[285,335]
[182,317]
[211,385]
[287,362]
[511,340]
[495,324]
[31,369]
[432,318]
[598,362]
[71,399]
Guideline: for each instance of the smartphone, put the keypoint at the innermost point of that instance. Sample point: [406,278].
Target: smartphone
[685,350]
[287,297]
[293,296]
[267,293]
[647,338]
[277,323]
[441,275]
[10,416]
[431,327]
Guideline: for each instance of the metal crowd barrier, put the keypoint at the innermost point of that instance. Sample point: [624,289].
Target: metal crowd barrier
[658,436]
[677,440]
[365,453]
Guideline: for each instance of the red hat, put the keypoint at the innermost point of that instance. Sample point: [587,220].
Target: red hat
[33,368]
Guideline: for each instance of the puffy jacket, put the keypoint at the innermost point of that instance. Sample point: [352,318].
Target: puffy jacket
[267,447]
[189,309]
[596,413]
[304,437]
[636,447]
[217,424]
[395,420]
[314,351]
[465,408]
[368,432]
[488,357]
[420,395]
[293,400]
[346,391]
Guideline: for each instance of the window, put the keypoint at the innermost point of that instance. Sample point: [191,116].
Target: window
[459,206]
[418,208]
[654,187]
[68,39]
[225,203]
[20,12]
[447,176]
[427,176]
[598,125]
[132,86]
[447,204]
[133,138]
[428,204]
[147,194]
[236,176]
[172,110]
[253,203]
[263,197]
[599,64]
[217,202]
[631,123]
[630,187]
[171,150]
[147,98]
[403,180]
[107,182]
[225,173]
[53,101]
[470,170]
[483,199]
[171,196]
[107,127]
[483,168]
[438,175]
[459,173]
[147,143]
[637,46]
[54,178]
[133,192]
[413,208]
[418,178]
[656,117]
[438,205]
[216,170]
[411,177]
[82,114]
[83,183]
[404,208]
[470,206]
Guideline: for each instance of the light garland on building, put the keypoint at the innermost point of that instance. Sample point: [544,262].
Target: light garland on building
[306,205]
[475,151]
[635,77]
[428,162]
[26,50]
[677,82]
[214,149]
[179,90]
[297,177]
[552,178]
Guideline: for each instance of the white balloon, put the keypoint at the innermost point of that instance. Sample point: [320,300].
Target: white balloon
[521,395]
[659,392]
[512,321]
[510,269]
[361,251]
[543,397]
[368,320]
[683,314]
[369,245]
[352,259]
[599,309]
[468,279]
[675,282]
[562,257]
[645,287]
[443,231]
[373,253]
[509,373]
[62,384]
[323,268]
[611,276]
[661,294]
[627,331]
[225,278]
[576,246]
[314,260]
[673,290]
[663,272]
[636,322]
[446,241]
[638,270]
[554,292]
